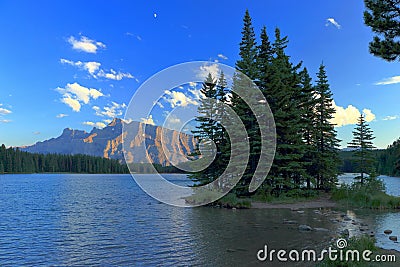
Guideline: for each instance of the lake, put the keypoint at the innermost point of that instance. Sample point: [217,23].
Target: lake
[107,220]
[380,220]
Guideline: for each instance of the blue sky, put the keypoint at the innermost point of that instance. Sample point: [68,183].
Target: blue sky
[78,63]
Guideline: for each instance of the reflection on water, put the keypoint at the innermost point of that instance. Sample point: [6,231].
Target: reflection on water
[380,221]
[63,219]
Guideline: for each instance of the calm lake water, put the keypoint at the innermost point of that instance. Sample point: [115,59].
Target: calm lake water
[107,220]
[380,220]
[64,219]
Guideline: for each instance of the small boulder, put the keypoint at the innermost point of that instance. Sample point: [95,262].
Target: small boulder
[319,229]
[393,238]
[303,227]
[388,232]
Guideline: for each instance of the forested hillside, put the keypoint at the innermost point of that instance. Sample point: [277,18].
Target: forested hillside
[16,161]
[387,161]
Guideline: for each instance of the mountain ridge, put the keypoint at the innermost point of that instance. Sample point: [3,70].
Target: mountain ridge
[107,143]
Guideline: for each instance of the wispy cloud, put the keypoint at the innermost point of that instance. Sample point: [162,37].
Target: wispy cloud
[36,133]
[148,120]
[61,115]
[349,115]
[112,110]
[85,44]
[4,111]
[332,21]
[138,37]
[390,118]
[390,80]
[205,69]
[90,66]
[221,56]
[94,70]
[74,95]
[95,124]
[113,75]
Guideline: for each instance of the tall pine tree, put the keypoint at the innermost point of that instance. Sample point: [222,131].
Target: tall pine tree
[327,160]
[362,142]
[247,65]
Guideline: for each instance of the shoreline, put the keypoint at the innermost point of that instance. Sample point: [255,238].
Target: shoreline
[320,202]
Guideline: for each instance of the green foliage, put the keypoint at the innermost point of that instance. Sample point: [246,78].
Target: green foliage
[209,130]
[16,161]
[306,143]
[389,160]
[359,243]
[370,194]
[362,142]
[383,17]
[326,159]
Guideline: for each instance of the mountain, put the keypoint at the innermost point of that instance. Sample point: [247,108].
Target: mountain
[144,141]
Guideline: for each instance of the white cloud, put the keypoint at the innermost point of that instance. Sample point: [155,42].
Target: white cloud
[159,104]
[391,80]
[72,103]
[61,115]
[206,69]
[222,56]
[94,70]
[173,122]
[85,44]
[390,118]
[332,21]
[5,121]
[90,66]
[178,99]
[148,120]
[369,116]
[191,84]
[75,94]
[155,15]
[112,110]
[36,133]
[349,115]
[113,75]
[4,111]
[95,124]
[197,93]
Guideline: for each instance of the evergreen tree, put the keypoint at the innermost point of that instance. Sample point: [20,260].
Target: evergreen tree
[287,170]
[206,130]
[362,142]
[327,159]
[307,106]
[247,65]
[383,17]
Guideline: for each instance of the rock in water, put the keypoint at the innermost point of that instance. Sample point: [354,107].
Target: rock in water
[388,232]
[303,227]
[393,238]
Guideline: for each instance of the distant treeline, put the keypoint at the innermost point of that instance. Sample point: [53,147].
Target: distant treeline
[387,161]
[13,160]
